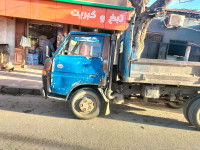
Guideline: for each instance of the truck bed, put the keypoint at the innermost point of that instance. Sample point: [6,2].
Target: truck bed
[165,72]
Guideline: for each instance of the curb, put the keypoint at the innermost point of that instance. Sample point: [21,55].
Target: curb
[18,91]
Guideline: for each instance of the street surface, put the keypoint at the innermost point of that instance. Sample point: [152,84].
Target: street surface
[29,122]
[21,78]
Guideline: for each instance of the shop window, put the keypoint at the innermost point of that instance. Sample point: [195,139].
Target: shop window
[85,46]
[195,54]
[75,27]
[152,36]
[177,50]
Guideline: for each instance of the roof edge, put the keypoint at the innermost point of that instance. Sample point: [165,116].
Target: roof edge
[89,33]
[96,4]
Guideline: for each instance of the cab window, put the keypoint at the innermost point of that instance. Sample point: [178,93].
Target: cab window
[84,45]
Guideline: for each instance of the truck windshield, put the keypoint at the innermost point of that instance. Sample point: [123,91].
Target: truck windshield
[83,45]
[60,47]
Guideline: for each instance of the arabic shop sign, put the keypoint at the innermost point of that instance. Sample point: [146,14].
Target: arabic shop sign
[92,15]
[66,13]
[100,17]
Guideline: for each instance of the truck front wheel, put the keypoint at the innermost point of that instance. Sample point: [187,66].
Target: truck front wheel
[86,103]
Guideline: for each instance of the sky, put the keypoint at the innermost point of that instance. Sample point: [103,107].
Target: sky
[194,4]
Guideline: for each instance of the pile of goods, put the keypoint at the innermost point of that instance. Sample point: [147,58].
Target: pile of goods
[42,40]
[34,56]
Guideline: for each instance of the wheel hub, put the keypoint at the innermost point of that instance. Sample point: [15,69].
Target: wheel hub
[86,105]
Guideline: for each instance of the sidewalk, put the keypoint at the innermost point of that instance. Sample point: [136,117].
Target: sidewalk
[21,81]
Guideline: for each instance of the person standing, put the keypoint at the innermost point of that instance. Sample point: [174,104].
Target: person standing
[48,48]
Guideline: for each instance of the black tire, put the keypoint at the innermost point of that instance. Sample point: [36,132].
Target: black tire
[187,105]
[194,114]
[174,105]
[92,101]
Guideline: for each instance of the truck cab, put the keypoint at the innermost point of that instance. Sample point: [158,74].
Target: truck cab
[79,67]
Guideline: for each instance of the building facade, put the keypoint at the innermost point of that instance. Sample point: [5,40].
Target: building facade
[163,41]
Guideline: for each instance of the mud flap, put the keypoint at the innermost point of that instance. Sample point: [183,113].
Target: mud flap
[107,108]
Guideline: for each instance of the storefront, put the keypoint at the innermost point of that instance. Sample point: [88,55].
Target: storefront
[39,20]
[37,32]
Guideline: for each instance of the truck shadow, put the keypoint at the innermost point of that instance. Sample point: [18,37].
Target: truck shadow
[137,115]
[36,105]
[61,109]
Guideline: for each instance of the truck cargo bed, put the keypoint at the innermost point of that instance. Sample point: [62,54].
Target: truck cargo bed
[166,72]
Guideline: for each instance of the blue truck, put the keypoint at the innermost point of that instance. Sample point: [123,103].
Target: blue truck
[82,71]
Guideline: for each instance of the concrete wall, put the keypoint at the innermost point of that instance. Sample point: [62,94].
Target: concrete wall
[182,34]
[7,34]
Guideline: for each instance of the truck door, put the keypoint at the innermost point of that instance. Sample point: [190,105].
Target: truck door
[79,61]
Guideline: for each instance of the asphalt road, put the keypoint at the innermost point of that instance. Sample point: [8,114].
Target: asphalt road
[28,122]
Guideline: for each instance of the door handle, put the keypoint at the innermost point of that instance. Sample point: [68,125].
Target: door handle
[93,75]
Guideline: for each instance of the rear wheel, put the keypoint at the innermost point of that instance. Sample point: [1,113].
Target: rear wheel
[194,114]
[187,105]
[86,103]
